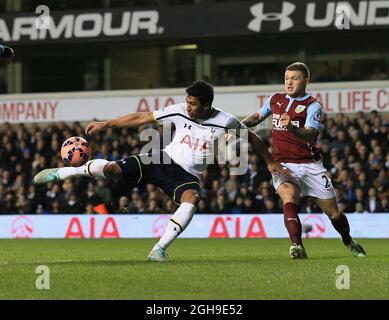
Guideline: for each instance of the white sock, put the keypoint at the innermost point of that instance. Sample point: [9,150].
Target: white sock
[93,168]
[177,224]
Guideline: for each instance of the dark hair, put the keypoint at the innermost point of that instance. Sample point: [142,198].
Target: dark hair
[201,90]
[299,66]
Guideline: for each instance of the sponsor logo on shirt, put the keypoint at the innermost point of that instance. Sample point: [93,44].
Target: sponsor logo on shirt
[277,122]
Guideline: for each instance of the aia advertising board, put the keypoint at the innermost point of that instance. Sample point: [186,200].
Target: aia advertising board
[80,107]
[203,226]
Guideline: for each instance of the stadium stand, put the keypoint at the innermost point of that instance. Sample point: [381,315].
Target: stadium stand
[355,152]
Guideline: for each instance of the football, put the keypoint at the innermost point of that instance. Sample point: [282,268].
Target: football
[75,151]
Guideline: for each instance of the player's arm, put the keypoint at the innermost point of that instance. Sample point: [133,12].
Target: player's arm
[259,116]
[312,124]
[6,53]
[253,120]
[260,147]
[307,134]
[130,120]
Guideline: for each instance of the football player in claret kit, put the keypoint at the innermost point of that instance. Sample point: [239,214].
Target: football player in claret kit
[197,124]
[296,122]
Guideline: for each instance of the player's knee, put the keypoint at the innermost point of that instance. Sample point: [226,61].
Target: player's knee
[190,196]
[112,170]
[334,214]
[289,193]
[290,198]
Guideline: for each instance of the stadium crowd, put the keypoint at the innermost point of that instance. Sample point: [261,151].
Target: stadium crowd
[269,73]
[355,152]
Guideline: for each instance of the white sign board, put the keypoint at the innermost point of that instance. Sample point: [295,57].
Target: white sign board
[240,101]
[202,226]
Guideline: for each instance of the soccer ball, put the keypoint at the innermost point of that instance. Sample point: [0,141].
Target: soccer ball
[75,151]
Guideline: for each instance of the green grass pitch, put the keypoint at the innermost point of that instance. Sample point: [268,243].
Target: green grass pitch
[198,269]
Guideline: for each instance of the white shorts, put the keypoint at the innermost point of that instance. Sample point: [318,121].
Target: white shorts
[311,178]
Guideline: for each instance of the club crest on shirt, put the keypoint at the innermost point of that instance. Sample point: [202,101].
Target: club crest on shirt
[300,108]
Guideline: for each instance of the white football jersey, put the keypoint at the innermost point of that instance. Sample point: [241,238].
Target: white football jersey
[193,144]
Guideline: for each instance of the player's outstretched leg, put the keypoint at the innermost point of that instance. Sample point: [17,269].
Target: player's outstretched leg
[340,223]
[293,225]
[94,168]
[177,224]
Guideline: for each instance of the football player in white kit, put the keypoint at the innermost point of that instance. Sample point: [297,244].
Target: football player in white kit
[198,125]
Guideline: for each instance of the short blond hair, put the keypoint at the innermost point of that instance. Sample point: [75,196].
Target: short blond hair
[299,66]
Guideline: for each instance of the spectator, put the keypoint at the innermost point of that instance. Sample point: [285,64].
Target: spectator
[270,206]
[89,208]
[231,188]
[359,208]
[253,177]
[383,205]
[169,206]
[91,195]
[124,204]
[103,191]
[139,206]
[221,205]
[372,201]
[203,207]
[249,205]
[73,205]
[56,208]
[359,197]
[238,205]
[362,181]
[152,206]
